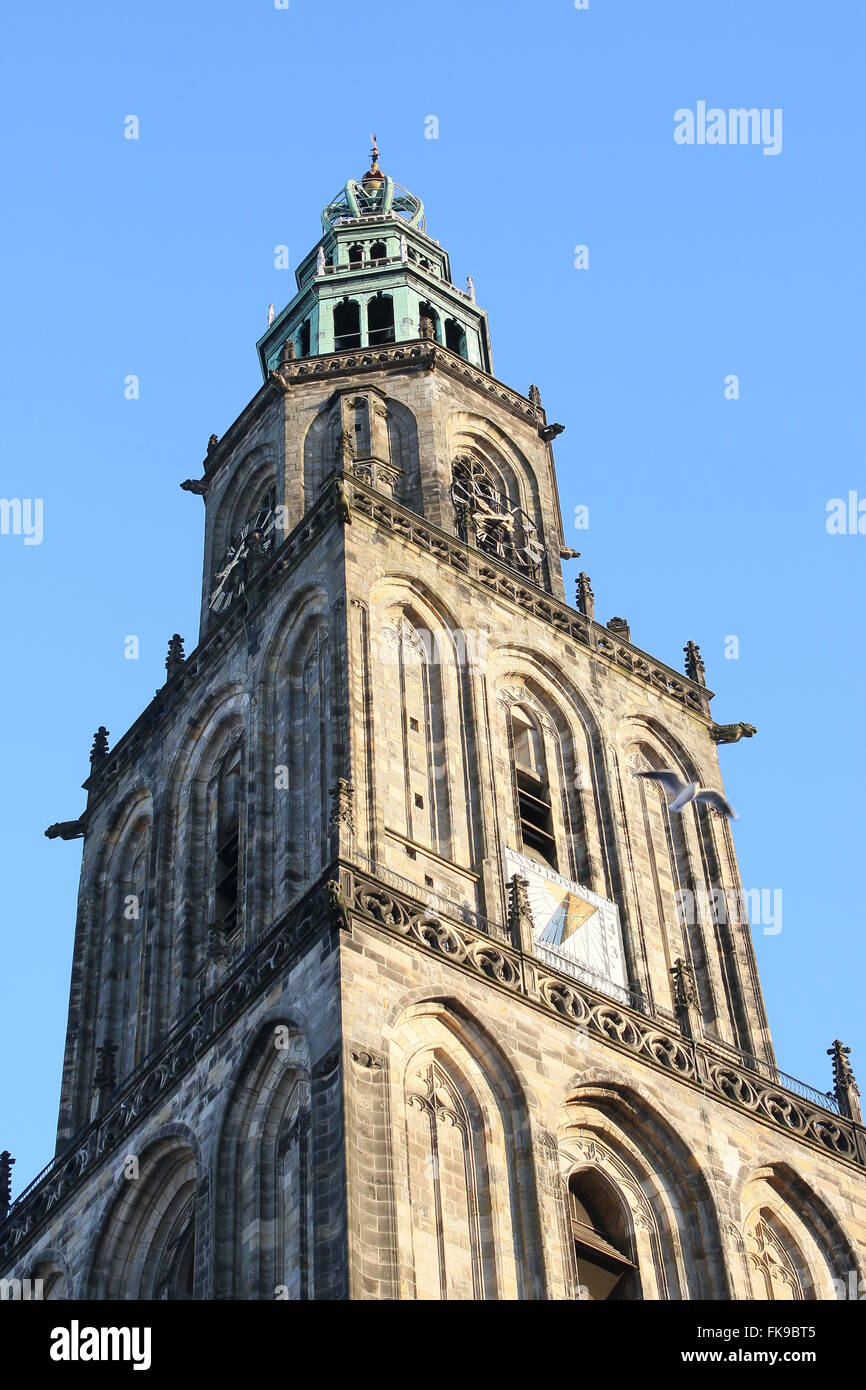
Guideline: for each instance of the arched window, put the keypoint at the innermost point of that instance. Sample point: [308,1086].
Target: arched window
[602,1241]
[175,1272]
[53,1279]
[378,252]
[455,337]
[228,840]
[417,785]
[772,1270]
[356,254]
[533,787]
[304,339]
[450,1187]
[347,325]
[147,1244]
[263,1209]
[380,320]
[426,311]
[129,1030]
[122,1009]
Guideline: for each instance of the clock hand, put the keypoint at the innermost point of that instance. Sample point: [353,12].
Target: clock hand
[224,574]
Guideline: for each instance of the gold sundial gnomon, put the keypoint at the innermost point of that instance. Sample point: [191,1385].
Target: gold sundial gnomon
[569,917]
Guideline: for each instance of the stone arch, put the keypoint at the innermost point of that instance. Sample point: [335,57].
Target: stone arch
[678,1246]
[803,1251]
[469,1224]
[145,1247]
[296,774]
[402,430]
[603,1237]
[264,1218]
[253,478]
[584,824]
[518,681]
[118,1010]
[187,866]
[690,907]
[424,725]
[483,440]
[321,448]
[51,1269]
[309,718]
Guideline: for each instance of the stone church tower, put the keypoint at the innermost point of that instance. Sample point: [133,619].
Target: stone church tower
[391,978]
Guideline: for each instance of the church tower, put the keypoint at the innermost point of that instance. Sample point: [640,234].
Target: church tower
[392,976]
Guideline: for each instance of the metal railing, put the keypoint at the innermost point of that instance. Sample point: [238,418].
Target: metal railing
[623,994]
[783,1079]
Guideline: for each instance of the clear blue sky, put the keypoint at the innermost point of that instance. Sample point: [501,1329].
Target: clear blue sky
[707,516]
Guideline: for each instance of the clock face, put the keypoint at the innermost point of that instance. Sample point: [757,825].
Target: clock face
[254,540]
[500,528]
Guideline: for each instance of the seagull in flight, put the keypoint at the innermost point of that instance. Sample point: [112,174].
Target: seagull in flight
[684,792]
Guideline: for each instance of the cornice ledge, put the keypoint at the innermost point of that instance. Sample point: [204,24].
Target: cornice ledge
[417,353]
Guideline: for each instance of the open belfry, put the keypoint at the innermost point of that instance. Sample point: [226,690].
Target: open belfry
[392,978]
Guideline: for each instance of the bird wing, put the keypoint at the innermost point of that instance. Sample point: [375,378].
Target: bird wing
[669,780]
[718,803]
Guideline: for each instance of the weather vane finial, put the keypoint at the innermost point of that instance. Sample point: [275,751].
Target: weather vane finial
[374,152]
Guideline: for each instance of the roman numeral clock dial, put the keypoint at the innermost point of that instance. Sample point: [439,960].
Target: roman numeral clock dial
[244,556]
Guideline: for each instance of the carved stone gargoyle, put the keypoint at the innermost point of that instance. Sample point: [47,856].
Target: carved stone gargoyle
[550,432]
[344,511]
[66,830]
[731,733]
[337,910]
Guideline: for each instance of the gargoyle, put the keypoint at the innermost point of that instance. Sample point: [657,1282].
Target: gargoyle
[337,904]
[568,553]
[65,830]
[731,733]
[549,432]
[196,485]
[344,511]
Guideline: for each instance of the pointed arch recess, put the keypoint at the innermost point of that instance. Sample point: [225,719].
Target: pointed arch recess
[470,1224]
